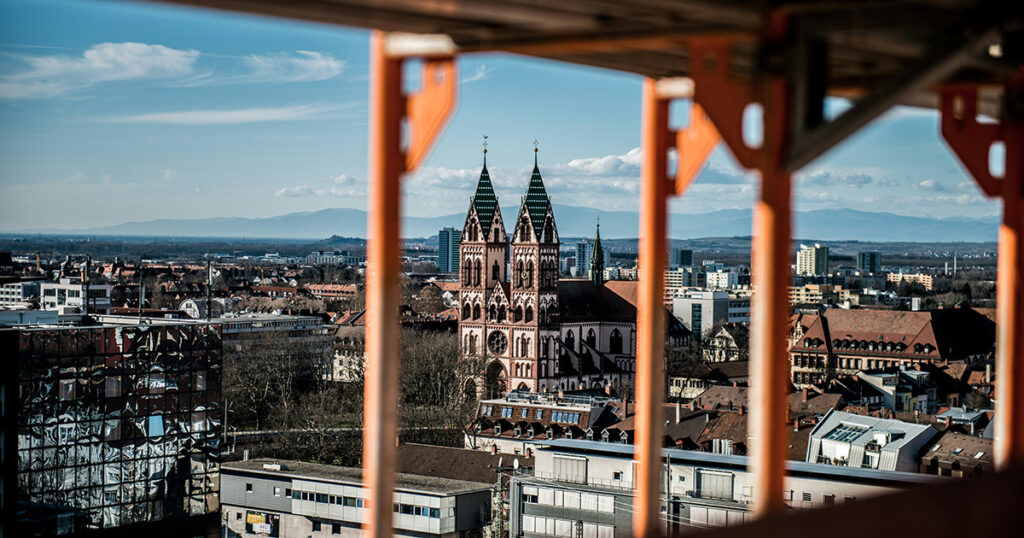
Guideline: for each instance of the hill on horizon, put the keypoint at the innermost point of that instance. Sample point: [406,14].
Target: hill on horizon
[841,224]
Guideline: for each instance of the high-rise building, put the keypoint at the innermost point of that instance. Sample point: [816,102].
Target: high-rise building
[584,252]
[113,427]
[701,310]
[448,250]
[812,260]
[680,257]
[869,262]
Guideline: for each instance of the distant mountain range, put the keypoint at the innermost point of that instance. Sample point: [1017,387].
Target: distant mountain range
[841,224]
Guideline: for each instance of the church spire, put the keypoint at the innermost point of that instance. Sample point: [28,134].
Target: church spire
[485,200]
[537,201]
[597,259]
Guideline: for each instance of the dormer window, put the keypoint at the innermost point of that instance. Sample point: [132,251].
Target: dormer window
[590,434]
[550,434]
[497,430]
[517,431]
[605,436]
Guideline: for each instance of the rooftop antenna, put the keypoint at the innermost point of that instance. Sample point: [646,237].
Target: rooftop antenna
[209,286]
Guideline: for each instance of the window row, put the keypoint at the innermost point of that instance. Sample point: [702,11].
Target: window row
[569,499]
[352,502]
[564,527]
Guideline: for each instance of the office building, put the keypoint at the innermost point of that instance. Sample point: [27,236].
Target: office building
[66,296]
[869,262]
[288,499]
[700,310]
[585,489]
[680,257]
[448,250]
[927,281]
[812,260]
[18,293]
[111,430]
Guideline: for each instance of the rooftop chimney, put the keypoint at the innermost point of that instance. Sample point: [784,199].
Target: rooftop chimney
[988,373]
[804,395]
[741,409]
[679,412]
[796,425]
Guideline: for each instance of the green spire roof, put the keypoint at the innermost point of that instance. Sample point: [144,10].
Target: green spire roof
[537,201]
[485,201]
[597,259]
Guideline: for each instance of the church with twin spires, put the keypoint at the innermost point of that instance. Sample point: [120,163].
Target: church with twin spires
[534,330]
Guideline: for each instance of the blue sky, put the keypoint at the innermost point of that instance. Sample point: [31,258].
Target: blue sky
[119,111]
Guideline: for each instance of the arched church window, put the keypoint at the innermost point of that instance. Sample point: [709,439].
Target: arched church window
[570,341]
[495,271]
[528,314]
[476,273]
[465,311]
[492,313]
[501,313]
[529,274]
[467,273]
[518,276]
[517,314]
[615,342]
[592,338]
[476,311]
[549,232]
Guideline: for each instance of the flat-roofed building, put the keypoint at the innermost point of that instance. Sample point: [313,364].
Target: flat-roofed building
[585,488]
[812,260]
[68,296]
[915,278]
[858,441]
[285,499]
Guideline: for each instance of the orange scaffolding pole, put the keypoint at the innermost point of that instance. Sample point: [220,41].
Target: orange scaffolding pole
[650,320]
[693,145]
[770,257]
[380,405]
[427,112]
[971,141]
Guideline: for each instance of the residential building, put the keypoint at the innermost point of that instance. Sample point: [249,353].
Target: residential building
[680,257]
[539,332]
[869,262]
[509,423]
[700,310]
[448,250]
[722,280]
[843,342]
[903,390]
[285,499]
[730,343]
[68,296]
[332,257]
[812,260]
[332,291]
[585,488]
[927,281]
[739,309]
[18,293]
[956,454]
[858,441]
[109,430]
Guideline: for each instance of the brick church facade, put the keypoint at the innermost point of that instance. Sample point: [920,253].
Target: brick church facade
[534,330]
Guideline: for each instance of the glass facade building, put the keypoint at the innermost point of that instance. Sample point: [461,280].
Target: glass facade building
[117,426]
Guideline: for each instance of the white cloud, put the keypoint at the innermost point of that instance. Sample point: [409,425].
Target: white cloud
[227,117]
[929,185]
[627,163]
[482,72]
[48,76]
[52,75]
[345,186]
[277,68]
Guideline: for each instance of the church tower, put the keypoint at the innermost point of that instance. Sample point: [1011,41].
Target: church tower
[483,250]
[597,260]
[534,286]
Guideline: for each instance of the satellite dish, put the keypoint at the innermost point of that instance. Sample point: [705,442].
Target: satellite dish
[515,464]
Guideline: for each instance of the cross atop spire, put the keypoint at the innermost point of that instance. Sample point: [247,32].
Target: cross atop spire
[536,144]
[485,151]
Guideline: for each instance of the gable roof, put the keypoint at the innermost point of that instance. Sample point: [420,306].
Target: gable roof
[485,201]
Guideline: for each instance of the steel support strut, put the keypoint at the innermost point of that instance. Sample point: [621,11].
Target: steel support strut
[693,145]
[725,98]
[971,141]
[427,112]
